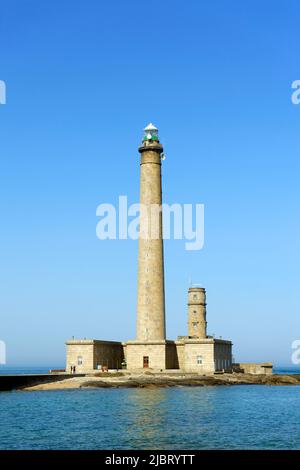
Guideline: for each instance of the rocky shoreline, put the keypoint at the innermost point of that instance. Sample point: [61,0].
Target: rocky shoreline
[126,380]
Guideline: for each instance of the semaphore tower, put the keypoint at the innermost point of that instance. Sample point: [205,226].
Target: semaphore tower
[197,312]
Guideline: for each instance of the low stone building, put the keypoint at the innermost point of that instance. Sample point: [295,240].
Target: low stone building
[88,355]
[188,353]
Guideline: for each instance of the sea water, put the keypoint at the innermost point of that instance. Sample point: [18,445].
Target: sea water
[211,417]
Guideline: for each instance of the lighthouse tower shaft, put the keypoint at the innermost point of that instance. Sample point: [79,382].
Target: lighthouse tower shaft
[151,293]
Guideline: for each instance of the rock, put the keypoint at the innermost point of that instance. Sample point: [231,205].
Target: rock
[170,380]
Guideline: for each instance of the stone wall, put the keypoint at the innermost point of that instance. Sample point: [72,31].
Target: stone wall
[199,356]
[109,354]
[86,355]
[253,368]
[180,354]
[171,356]
[205,355]
[155,351]
[223,355]
[77,349]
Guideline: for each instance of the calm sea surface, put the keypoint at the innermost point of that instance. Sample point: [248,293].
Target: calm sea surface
[223,417]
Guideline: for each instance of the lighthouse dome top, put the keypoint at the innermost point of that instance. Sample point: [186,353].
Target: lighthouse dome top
[150,132]
[151,127]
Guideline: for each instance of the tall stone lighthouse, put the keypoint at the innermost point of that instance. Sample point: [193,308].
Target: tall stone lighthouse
[151,294]
[149,347]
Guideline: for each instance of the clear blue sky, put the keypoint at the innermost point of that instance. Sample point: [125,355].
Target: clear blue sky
[83,78]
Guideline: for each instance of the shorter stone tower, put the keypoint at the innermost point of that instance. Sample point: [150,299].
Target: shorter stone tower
[197,312]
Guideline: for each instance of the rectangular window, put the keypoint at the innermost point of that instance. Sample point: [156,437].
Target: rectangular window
[199,360]
[146,361]
[79,360]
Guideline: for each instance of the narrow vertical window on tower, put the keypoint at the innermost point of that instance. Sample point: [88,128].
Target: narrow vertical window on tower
[146,361]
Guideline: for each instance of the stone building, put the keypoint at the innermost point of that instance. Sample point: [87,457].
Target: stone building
[196,352]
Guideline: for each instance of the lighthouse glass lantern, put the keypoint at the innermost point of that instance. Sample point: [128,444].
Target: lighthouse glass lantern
[150,133]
